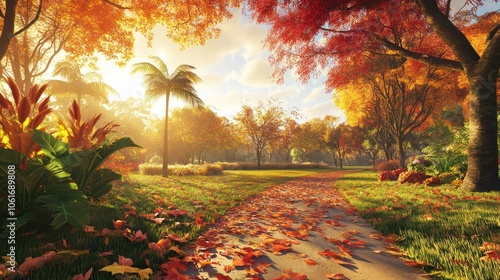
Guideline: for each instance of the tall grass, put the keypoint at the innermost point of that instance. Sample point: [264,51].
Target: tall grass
[441,225]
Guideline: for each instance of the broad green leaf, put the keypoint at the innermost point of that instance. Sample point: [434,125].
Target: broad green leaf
[51,147]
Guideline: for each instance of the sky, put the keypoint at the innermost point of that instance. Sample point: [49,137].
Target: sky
[234,69]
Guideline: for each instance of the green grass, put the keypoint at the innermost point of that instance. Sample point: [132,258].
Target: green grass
[209,196]
[441,226]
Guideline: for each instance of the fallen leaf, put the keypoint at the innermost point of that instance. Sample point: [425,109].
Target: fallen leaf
[83,277]
[491,255]
[310,262]
[125,261]
[338,276]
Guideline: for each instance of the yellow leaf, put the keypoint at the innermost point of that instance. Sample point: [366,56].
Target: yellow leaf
[114,269]
[144,273]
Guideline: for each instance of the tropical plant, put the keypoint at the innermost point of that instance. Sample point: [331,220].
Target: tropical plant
[20,117]
[45,184]
[83,134]
[76,83]
[159,82]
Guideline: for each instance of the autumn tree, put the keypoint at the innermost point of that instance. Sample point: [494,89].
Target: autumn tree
[262,124]
[308,144]
[309,35]
[343,140]
[289,133]
[159,82]
[34,32]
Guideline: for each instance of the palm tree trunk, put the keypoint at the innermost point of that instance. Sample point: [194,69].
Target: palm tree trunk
[165,138]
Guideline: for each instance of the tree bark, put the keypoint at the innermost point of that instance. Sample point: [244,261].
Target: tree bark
[482,74]
[8,26]
[165,138]
[401,152]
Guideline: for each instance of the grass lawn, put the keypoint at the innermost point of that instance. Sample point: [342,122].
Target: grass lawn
[182,206]
[440,227]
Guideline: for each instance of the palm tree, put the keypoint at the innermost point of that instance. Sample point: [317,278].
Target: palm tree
[75,83]
[180,84]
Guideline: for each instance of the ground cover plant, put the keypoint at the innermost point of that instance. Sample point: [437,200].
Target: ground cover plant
[141,223]
[452,234]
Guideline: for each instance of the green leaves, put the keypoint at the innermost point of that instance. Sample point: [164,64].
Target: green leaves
[51,147]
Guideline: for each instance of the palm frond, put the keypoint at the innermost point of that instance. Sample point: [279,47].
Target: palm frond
[160,65]
[68,70]
[58,87]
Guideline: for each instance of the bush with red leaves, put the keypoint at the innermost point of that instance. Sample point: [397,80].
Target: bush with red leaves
[432,181]
[412,177]
[386,166]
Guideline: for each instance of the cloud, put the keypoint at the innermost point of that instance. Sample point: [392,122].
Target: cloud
[314,95]
[210,81]
[257,73]
[322,109]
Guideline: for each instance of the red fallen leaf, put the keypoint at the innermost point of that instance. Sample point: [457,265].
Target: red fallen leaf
[329,254]
[174,263]
[248,257]
[118,224]
[414,263]
[222,277]
[338,276]
[180,239]
[89,229]
[138,236]
[277,248]
[64,243]
[125,261]
[104,254]
[345,250]
[492,255]
[228,268]
[490,246]
[30,263]
[310,262]
[81,276]
[176,212]
[262,267]
[290,275]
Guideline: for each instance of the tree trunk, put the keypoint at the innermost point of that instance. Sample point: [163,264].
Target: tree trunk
[401,152]
[340,160]
[482,170]
[259,153]
[8,26]
[165,139]
[482,75]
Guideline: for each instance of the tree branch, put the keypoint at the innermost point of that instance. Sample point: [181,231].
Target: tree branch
[428,59]
[38,12]
[117,5]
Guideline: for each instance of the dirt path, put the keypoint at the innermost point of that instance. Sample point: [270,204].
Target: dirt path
[302,229]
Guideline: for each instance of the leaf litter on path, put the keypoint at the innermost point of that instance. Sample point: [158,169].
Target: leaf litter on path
[301,229]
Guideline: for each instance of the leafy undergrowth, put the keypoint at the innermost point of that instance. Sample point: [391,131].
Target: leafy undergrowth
[140,224]
[451,233]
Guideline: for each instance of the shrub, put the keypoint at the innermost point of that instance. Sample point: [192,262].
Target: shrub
[412,177]
[181,170]
[392,175]
[447,177]
[387,176]
[419,164]
[150,169]
[267,166]
[432,181]
[386,165]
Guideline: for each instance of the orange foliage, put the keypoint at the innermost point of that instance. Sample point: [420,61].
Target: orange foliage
[109,27]
[20,117]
